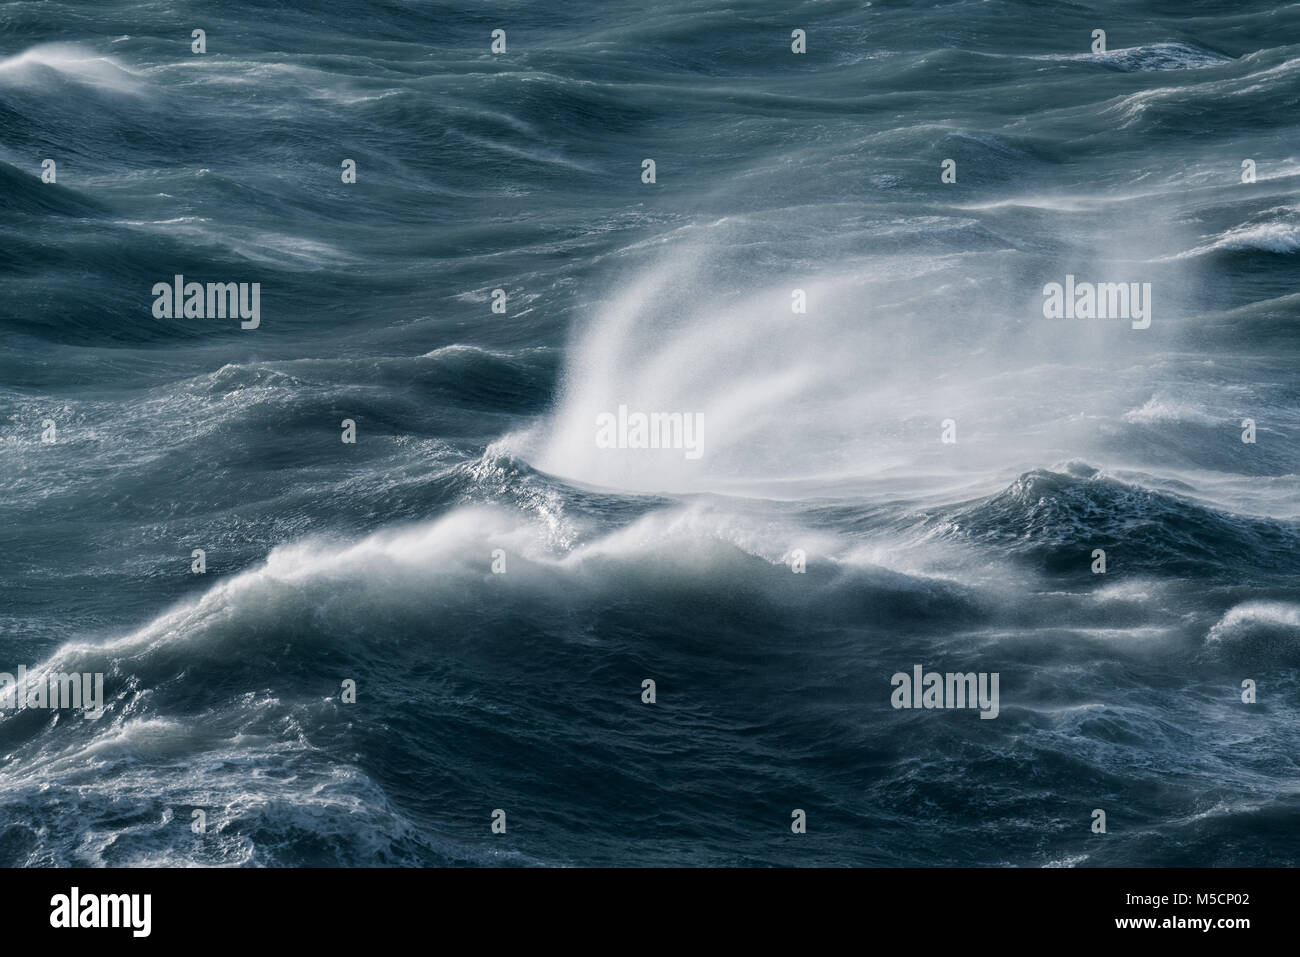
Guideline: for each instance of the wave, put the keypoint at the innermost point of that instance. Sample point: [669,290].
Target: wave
[230,701]
[1280,237]
[1163,408]
[24,192]
[1264,632]
[57,62]
[1148,58]
[1056,519]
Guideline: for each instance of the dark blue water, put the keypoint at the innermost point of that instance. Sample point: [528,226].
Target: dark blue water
[775,171]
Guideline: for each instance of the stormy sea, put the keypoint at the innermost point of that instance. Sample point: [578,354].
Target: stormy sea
[597,434]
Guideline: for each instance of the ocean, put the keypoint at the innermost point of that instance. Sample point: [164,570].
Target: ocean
[488,630]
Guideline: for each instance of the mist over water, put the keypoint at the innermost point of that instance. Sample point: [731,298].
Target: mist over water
[821,437]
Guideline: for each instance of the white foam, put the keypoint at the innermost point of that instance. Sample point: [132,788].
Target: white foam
[1277,236]
[72,61]
[1164,408]
[1256,614]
